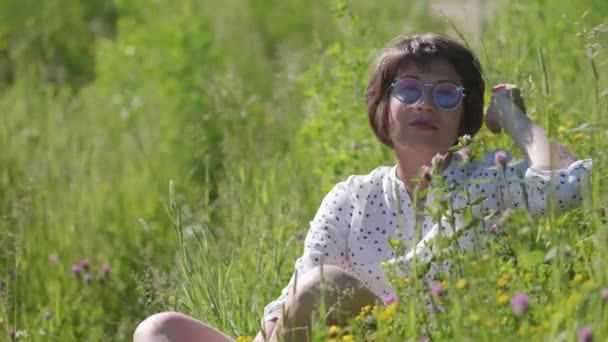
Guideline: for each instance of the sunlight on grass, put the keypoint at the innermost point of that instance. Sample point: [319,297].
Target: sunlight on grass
[251,116]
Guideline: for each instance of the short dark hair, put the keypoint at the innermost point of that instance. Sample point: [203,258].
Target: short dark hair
[423,50]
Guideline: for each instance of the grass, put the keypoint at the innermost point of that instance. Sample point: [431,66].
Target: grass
[250,142]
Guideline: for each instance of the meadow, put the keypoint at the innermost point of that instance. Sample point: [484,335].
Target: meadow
[159,155]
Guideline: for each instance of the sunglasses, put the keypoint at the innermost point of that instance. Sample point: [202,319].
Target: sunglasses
[447,95]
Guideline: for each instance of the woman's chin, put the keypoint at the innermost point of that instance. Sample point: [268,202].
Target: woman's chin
[426,143]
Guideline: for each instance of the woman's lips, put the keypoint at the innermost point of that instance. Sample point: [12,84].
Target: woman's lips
[423,124]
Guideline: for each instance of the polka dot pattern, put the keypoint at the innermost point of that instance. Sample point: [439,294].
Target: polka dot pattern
[357,217]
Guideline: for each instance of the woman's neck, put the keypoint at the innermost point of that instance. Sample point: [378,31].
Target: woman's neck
[410,162]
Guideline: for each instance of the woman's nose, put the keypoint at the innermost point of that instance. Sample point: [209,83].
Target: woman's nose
[426,101]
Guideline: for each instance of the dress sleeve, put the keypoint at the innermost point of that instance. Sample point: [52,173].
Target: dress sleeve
[511,184]
[518,184]
[325,242]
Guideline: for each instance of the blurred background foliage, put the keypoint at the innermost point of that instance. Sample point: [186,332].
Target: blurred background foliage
[254,108]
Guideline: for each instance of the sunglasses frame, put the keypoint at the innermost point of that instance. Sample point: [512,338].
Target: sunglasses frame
[459,88]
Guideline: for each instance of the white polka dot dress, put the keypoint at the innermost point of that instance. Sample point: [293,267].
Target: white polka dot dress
[356,219]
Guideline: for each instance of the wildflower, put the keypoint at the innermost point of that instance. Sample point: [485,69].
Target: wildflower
[87,278]
[105,270]
[461,284]
[436,289]
[12,333]
[520,303]
[348,338]
[465,140]
[84,264]
[438,160]
[388,312]
[366,310]
[503,281]
[334,330]
[494,228]
[76,269]
[502,298]
[390,299]
[500,158]
[53,259]
[244,339]
[578,136]
[585,334]
[576,280]
[604,294]
[47,315]
[426,174]
[354,145]
[465,153]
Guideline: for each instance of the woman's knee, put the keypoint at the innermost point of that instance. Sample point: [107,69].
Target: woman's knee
[336,287]
[330,279]
[158,327]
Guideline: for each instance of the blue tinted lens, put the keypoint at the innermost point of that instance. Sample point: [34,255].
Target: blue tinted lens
[447,96]
[408,91]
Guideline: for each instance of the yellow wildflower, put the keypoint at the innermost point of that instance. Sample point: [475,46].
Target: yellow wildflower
[171,299]
[528,277]
[565,127]
[503,281]
[348,338]
[244,339]
[388,312]
[334,330]
[502,298]
[576,280]
[578,136]
[461,284]
[366,310]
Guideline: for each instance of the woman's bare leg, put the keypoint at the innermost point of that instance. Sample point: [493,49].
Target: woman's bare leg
[176,327]
[342,293]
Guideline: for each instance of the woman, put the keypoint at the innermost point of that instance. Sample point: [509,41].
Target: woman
[425,93]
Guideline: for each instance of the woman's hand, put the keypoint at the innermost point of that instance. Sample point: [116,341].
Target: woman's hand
[507,112]
[506,103]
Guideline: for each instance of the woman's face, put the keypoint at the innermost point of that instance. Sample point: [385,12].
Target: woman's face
[423,124]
